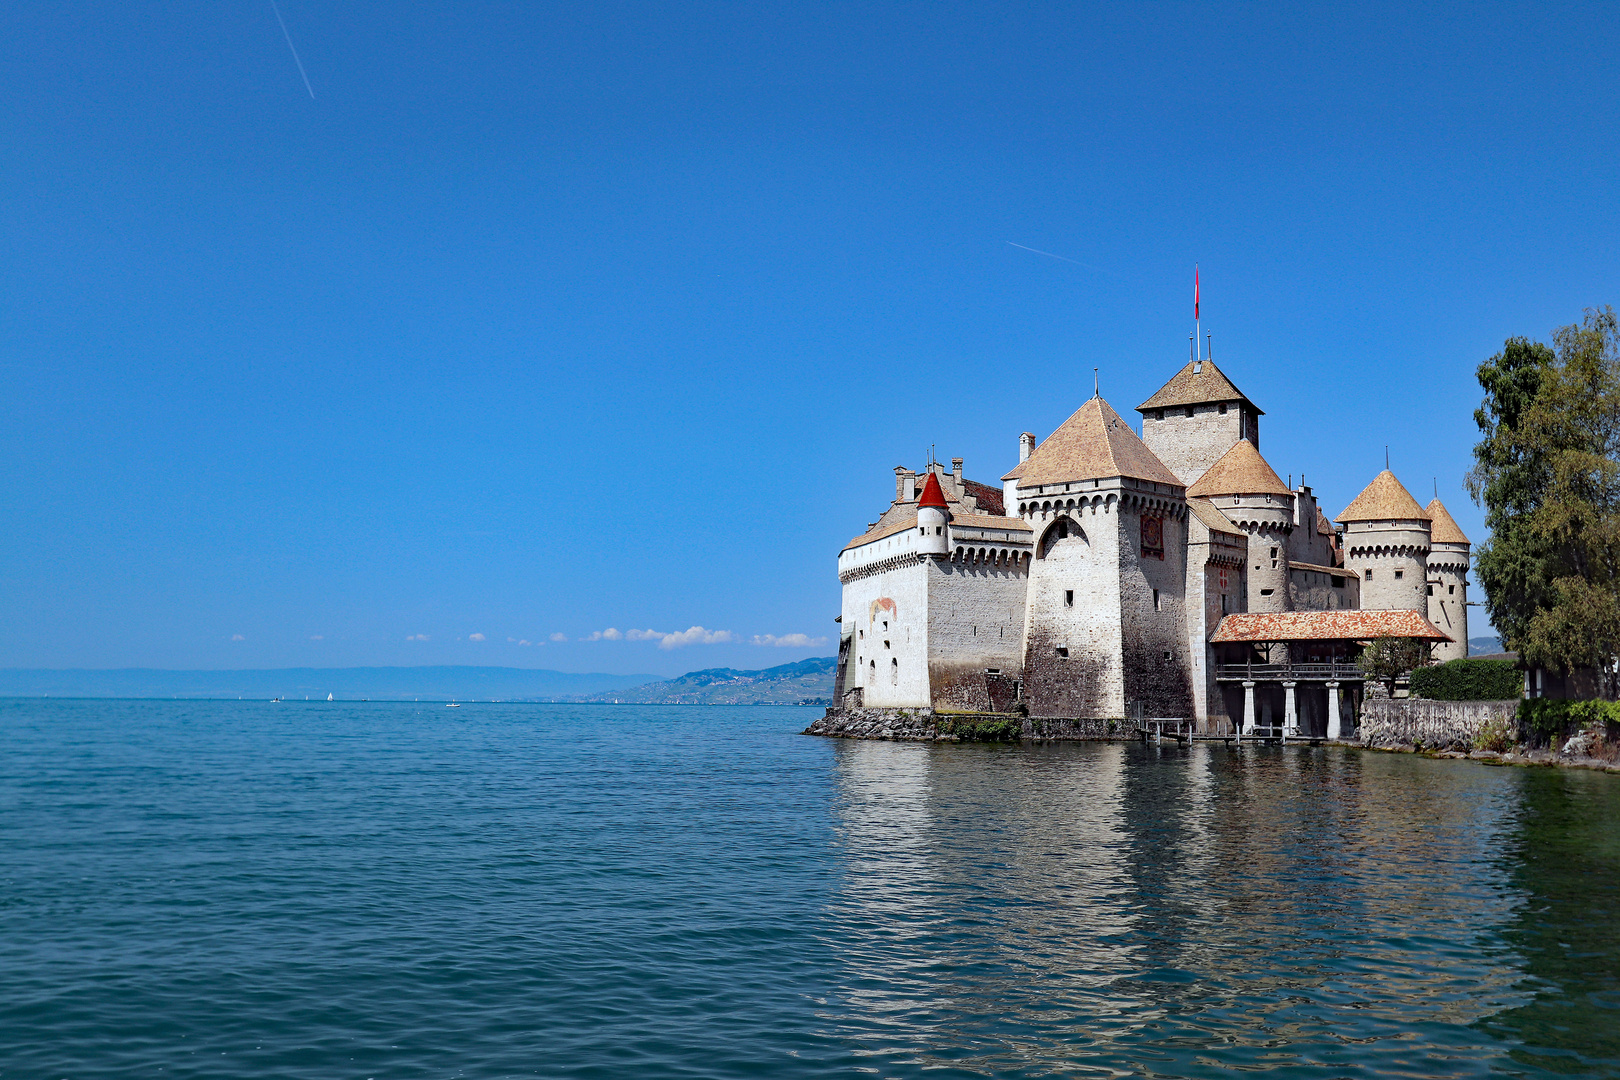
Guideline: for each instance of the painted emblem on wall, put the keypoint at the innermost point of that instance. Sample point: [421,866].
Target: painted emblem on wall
[882,603]
[1152,536]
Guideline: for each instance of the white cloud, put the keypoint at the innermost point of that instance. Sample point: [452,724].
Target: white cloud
[789,641]
[528,643]
[610,634]
[417,637]
[695,635]
[559,637]
[317,637]
[475,637]
[238,637]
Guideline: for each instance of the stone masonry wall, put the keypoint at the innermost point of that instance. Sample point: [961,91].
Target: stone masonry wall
[1439,725]
[904,725]
[975,623]
[1189,445]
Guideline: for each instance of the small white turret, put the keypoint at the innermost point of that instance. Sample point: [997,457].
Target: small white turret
[932,515]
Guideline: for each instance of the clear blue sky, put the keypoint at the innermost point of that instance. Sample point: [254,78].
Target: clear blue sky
[542,319]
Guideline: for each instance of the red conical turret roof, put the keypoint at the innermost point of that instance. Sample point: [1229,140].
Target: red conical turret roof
[931,494]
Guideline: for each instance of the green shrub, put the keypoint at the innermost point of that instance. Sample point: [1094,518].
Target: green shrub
[1496,734]
[1549,721]
[977,729]
[1469,680]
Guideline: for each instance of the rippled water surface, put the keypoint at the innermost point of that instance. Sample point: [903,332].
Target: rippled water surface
[225,889]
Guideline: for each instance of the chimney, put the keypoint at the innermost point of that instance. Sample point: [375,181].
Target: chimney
[903,484]
[956,471]
[1026,444]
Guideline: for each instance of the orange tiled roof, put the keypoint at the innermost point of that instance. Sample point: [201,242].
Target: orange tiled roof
[1209,385]
[901,525]
[1239,471]
[1442,527]
[1093,444]
[1384,500]
[988,521]
[1211,516]
[1269,627]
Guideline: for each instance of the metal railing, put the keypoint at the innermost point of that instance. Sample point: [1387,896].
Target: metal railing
[1339,670]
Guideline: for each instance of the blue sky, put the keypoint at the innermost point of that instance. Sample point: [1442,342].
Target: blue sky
[539,320]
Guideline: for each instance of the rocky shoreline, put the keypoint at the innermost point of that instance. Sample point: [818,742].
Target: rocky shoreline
[928,725]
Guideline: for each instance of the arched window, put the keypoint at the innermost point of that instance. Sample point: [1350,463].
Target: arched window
[894,672]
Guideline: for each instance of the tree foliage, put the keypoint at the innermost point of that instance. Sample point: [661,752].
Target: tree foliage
[1387,659]
[1547,471]
[1469,679]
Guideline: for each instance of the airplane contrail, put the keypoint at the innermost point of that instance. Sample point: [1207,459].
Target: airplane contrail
[1058,256]
[275,8]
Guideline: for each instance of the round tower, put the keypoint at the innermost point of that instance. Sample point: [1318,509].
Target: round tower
[932,512]
[1252,497]
[1386,545]
[1448,581]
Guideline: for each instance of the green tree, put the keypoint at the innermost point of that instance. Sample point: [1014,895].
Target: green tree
[1548,474]
[1387,659]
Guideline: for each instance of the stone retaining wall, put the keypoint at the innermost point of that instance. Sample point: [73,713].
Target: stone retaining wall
[1437,725]
[925,725]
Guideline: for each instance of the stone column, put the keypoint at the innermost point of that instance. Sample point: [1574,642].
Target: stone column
[1335,728]
[1290,712]
[1248,709]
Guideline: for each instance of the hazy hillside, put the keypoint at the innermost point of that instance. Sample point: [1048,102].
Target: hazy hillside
[808,681]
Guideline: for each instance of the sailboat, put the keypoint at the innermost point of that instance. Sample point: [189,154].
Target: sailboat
[328,697]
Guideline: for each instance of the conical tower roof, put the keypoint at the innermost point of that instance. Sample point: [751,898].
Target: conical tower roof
[1383,500]
[1442,527]
[1239,471]
[1207,385]
[1092,444]
[932,495]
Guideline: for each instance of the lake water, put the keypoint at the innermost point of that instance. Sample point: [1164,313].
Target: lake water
[224,889]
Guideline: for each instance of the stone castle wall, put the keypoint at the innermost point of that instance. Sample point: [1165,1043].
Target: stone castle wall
[1439,725]
[1189,445]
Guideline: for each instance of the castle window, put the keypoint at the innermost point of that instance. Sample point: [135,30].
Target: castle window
[992,671]
[1167,654]
[1398,574]
[1223,603]
[1155,599]
[1222,407]
[1267,592]
[894,672]
[1159,415]
[939,529]
[1063,652]
[1369,575]
[1431,590]
[1189,410]
[1451,589]
[1068,598]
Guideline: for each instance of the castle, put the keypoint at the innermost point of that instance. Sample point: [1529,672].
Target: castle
[1166,575]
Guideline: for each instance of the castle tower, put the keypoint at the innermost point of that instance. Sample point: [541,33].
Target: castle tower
[1448,581]
[1195,418]
[1386,544]
[1106,622]
[1251,496]
[932,512]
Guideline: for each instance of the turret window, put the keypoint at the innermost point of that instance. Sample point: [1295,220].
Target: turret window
[1369,575]
[1068,598]
[1398,574]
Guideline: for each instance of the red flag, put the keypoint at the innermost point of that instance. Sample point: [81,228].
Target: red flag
[1195,292]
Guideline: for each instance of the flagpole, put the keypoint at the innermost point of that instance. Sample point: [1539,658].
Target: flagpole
[1198,327]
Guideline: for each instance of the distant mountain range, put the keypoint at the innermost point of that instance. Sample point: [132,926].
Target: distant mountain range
[808,682]
[1484,646]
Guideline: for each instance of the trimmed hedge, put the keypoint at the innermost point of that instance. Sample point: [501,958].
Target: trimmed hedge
[1469,680]
[1552,720]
